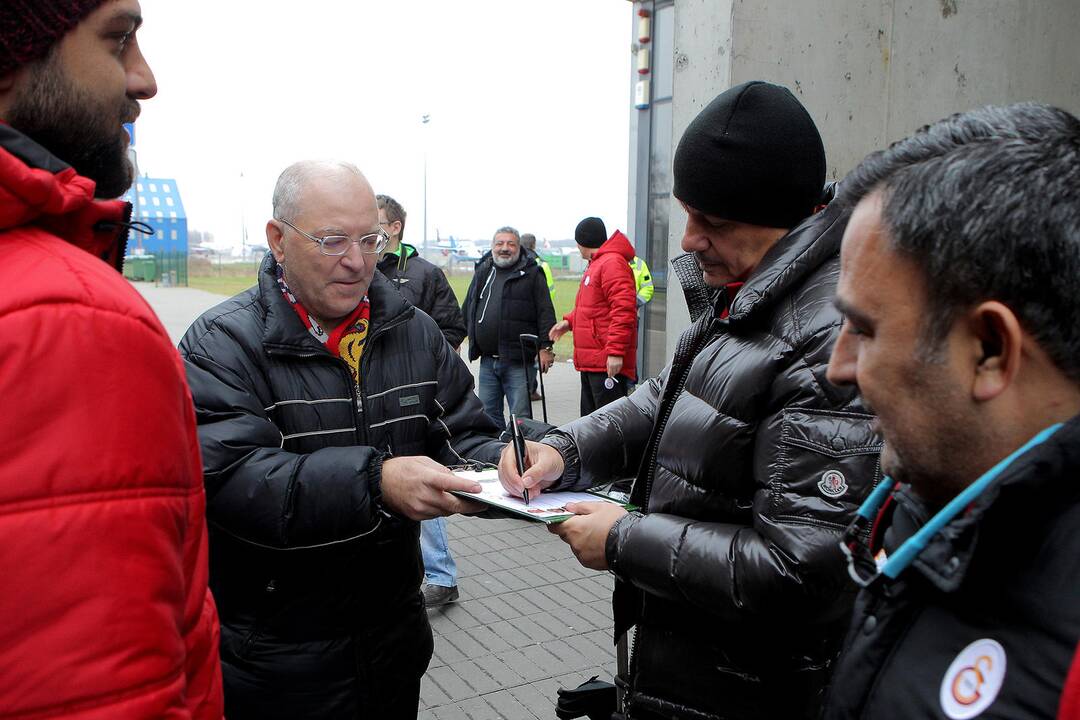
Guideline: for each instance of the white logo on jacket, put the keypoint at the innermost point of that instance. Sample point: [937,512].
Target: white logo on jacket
[586,279]
[973,680]
[832,484]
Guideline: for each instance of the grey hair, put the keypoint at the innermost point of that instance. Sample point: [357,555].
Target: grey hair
[290,184]
[528,240]
[507,229]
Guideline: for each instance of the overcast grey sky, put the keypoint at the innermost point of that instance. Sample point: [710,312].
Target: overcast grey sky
[529,104]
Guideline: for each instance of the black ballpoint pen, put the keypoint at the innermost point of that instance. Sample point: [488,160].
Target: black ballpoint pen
[519,452]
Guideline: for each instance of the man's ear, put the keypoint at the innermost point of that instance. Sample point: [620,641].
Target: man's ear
[275,238]
[999,338]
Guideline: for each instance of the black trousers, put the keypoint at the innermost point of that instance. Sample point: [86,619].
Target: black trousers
[595,393]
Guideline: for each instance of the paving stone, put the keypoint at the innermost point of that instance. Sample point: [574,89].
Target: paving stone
[489,639]
[502,673]
[478,709]
[524,667]
[511,633]
[509,708]
[449,682]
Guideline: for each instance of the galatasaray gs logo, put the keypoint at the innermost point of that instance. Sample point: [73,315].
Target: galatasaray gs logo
[974,679]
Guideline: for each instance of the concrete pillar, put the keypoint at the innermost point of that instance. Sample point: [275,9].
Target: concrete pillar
[872,71]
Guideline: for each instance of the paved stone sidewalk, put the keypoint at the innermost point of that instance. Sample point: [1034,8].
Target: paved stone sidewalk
[530,620]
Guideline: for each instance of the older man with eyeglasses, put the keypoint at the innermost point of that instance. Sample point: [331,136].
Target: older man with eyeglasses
[328,410]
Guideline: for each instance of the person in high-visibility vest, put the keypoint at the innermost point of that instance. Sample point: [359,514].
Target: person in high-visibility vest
[642,281]
[528,241]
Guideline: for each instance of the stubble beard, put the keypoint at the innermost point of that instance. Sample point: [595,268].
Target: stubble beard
[77,127]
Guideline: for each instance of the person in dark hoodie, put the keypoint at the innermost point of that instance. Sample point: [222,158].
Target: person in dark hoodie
[604,318]
[507,297]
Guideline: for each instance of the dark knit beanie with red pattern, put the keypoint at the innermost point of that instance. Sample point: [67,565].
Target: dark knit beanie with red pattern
[28,28]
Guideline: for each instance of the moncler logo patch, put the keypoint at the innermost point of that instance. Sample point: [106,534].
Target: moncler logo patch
[974,679]
[832,484]
[586,280]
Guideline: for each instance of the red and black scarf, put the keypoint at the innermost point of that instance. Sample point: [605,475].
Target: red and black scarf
[345,341]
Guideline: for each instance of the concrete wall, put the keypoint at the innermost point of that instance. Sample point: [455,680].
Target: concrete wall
[872,71]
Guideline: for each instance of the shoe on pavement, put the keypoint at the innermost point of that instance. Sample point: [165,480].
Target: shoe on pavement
[438,595]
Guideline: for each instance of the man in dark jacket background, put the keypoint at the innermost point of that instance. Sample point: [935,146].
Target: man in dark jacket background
[507,297]
[426,287]
[748,464]
[958,288]
[419,281]
[604,318]
[327,409]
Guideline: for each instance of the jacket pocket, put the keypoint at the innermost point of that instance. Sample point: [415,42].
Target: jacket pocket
[827,463]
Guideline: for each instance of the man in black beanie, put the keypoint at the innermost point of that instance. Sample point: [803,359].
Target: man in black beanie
[748,463]
[604,318]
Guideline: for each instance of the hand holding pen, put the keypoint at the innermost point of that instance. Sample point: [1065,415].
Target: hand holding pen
[519,452]
[542,464]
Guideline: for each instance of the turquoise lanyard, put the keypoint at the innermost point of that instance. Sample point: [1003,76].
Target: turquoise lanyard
[910,549]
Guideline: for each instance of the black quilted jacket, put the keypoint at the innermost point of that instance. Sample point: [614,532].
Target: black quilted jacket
[749,466]
[318,591]
[426,287]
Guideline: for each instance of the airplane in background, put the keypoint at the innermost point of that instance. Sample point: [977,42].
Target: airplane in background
[460,250]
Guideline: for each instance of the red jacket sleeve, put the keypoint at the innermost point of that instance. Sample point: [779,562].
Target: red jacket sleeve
[617,286]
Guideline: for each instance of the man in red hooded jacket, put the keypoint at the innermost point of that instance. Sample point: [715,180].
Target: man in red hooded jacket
[105,611]
[604,318]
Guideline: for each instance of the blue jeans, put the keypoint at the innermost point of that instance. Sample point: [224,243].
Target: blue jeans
[439,566]
[499,379]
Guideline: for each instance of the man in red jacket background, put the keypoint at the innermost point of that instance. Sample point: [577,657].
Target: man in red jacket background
[604,318]
[103,553]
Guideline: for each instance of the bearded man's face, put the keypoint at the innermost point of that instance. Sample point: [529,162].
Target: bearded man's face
[81,128]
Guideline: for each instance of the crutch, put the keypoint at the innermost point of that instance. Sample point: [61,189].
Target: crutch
[526,360]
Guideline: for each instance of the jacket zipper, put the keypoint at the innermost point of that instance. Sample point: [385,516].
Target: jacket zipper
[364,362]
[684,375]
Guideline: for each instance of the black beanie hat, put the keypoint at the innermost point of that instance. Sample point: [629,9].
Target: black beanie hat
[590,233]
[28,28]
[752,155]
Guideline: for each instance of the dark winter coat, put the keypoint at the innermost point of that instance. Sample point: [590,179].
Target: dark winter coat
[525,305]
[1005,573]
[604,319]
[425,286]
[749,466]
[317,588]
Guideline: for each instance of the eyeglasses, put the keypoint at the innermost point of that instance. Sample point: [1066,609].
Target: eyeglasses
[334,245]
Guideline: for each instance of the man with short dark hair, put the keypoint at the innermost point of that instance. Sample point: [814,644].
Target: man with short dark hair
[328,410]
[958,288]
[747,464]
[103,549]
[420,282]
[507,297]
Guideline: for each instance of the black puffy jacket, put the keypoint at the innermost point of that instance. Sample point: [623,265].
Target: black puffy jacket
[985,620]
[749,466]
[525,305]
[425,286]
[317,589]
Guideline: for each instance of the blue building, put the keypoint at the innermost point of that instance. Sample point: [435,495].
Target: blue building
[156,202]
